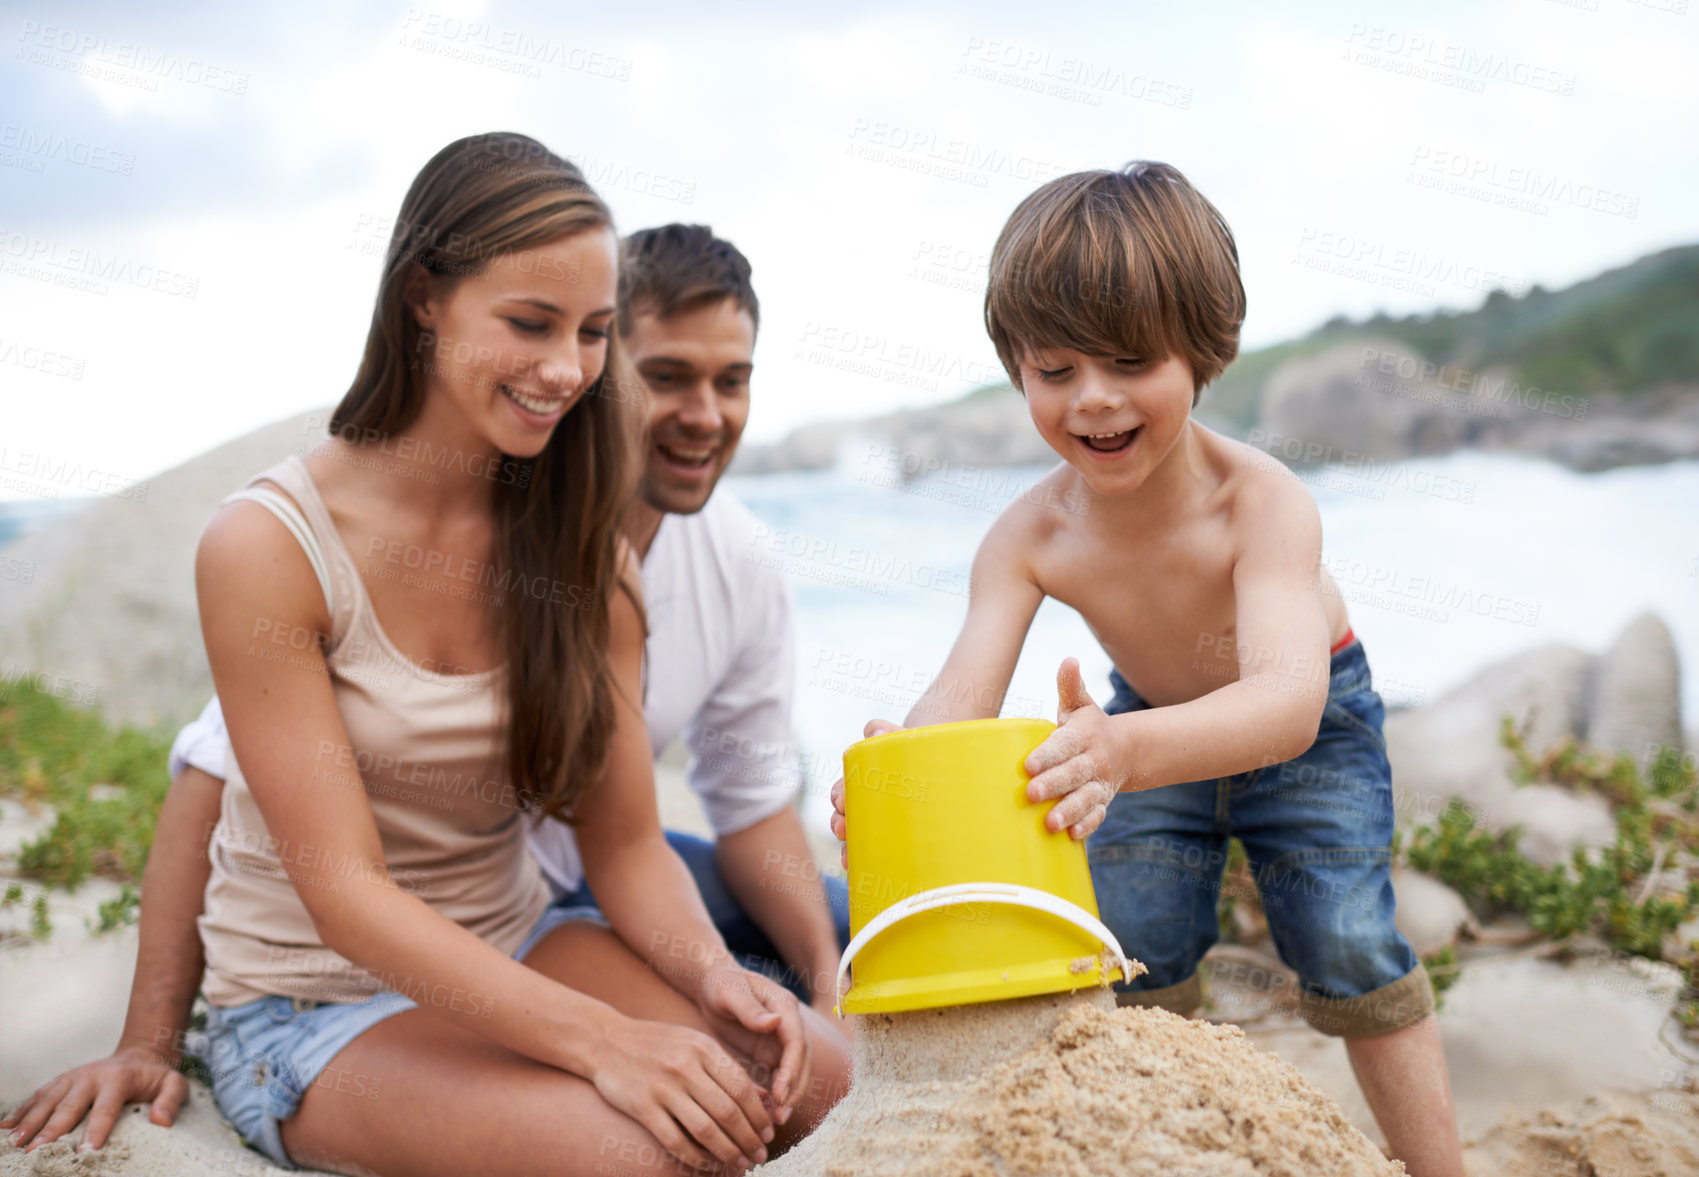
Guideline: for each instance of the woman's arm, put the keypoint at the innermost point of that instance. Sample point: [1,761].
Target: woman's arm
[253,581]
[650,899]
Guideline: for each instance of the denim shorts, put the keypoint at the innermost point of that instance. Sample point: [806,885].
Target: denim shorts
[265,1054]
[1317,832]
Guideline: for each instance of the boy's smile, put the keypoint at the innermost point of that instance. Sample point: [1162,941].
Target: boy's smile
[1109,444]
[1113,418]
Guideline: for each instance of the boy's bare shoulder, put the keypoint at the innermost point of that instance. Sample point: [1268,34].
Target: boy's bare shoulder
[1043,510]
[1265,498]
[1021,534]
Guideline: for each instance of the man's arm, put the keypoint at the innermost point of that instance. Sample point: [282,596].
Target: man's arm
[746,774]
[168,974]
[170,958]
[771,872]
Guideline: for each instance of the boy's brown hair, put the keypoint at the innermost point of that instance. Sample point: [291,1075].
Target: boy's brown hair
[1127,263]
[673,268]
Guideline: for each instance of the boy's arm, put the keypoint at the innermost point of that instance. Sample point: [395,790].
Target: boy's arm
[1002,602]
[143,1067]
[1268,716]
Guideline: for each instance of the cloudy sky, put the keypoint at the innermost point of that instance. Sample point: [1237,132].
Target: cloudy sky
[193,198]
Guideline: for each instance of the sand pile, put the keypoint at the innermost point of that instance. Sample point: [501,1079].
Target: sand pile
[1069,1086]
[1606,1136]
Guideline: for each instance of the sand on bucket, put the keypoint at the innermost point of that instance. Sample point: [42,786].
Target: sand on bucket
[1068,1085]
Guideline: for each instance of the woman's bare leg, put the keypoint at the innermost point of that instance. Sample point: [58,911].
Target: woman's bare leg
[449,1102]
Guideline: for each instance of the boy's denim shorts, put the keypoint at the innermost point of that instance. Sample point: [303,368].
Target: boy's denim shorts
[265,1054]
[1317,832]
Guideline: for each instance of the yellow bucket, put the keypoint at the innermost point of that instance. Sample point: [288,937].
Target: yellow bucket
[958,894]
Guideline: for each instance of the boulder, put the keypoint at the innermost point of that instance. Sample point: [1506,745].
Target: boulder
[1350,400]
[1554,820]
[108,618]
[1430,914]
[1451,749]
[1634,706]
[987,428]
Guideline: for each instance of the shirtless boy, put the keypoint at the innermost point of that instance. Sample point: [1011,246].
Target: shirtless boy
[1243,704]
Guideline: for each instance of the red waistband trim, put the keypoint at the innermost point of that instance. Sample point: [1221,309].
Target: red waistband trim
[1343,642]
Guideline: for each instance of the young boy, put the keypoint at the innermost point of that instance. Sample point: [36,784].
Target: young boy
[1243,705]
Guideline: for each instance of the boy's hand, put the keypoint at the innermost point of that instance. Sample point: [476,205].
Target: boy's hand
[1080,762]
[840,828]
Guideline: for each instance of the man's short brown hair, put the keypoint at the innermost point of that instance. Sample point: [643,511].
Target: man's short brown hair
[675,268]
[1127,263]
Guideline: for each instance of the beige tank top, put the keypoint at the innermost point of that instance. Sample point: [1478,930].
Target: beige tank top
[427,747]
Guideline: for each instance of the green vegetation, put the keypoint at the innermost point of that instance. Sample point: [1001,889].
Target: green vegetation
[55,754]
[1443,970]
[1626,330]
[1632,895]
[120,911]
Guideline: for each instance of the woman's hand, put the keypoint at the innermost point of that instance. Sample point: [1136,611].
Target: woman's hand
[840,825]
[131,1075]
[666,1076]
[763,1020]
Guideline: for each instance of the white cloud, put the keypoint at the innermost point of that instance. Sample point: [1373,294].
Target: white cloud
[760,131]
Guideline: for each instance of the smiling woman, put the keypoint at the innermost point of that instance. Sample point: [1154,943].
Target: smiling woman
[373,956]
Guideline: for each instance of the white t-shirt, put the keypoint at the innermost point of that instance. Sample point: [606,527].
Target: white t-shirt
[719,672]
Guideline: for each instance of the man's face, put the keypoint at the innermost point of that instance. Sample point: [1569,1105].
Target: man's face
[696,364]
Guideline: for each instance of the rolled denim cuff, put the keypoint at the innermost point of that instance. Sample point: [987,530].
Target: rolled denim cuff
[1182,999]
[1404,1002]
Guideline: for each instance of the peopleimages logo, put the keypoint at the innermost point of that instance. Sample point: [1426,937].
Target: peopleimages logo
[48,145]
[1478,387]
[146,66]
[87,268]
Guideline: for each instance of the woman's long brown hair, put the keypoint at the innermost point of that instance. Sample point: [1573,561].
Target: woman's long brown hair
[556,515]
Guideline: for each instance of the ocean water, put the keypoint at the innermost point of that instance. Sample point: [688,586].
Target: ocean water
[1446,564]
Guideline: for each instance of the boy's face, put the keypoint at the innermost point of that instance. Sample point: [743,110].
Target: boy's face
[1112,418]
[696,365]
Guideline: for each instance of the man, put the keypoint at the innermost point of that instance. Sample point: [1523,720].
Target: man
[719,674]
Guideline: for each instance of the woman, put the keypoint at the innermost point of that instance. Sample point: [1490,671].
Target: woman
[387,994]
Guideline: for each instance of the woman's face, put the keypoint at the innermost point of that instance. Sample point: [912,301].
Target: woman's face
[512,348]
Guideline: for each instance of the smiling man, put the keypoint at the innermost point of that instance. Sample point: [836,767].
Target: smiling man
[719,676]
[720,645]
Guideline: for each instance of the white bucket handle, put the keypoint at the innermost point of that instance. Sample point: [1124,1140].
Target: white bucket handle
[1013,894]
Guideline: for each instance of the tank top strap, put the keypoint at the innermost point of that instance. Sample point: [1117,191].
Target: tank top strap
[304,513]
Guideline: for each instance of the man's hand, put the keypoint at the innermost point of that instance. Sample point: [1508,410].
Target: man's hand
[761,1020]
[131,1075]
[1082,762]
[840,829]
